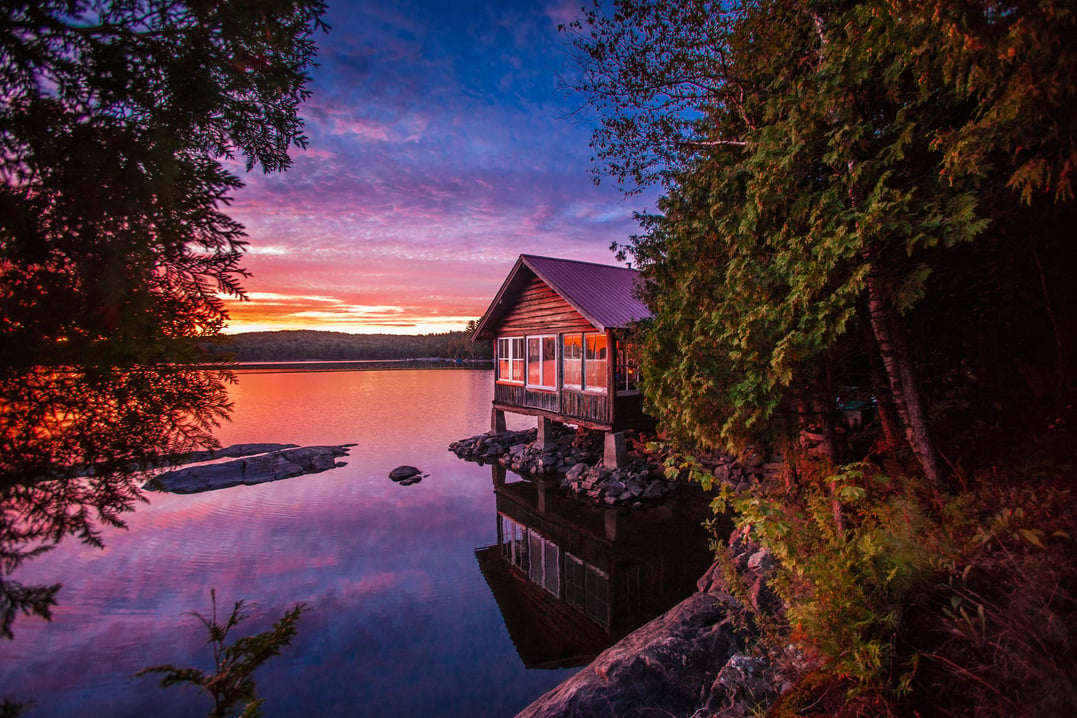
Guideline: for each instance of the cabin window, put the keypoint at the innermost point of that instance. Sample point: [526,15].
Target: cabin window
[587,589]
[510,360]
[594,362]
[572,358]
[584,360]
[627,376]
[545,562]
[542,362]
[514,542]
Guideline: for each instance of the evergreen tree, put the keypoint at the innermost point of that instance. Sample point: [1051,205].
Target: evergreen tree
[840,152]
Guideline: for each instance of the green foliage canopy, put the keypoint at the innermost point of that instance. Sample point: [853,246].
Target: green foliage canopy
[842,151]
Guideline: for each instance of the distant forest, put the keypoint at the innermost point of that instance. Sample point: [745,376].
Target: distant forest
[304,345]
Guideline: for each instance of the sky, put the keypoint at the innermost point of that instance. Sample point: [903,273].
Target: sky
[443,144]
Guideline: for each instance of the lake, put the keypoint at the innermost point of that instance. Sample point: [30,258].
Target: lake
[402,618]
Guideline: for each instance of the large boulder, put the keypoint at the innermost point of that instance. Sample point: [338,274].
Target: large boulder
[667,667]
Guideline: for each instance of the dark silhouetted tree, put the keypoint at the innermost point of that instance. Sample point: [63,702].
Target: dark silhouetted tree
[119,123]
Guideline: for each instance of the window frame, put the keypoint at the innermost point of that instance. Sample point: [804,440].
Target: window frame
[604,389]
[515,363]
[584,385]
[564,361]
[542,340]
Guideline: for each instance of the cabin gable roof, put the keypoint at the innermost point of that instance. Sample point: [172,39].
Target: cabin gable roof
[604,295]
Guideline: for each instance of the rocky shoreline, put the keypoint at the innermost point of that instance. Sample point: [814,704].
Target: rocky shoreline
[575,456]
[694,660]
[691,661]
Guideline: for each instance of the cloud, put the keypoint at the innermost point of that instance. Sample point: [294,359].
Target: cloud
[438,153]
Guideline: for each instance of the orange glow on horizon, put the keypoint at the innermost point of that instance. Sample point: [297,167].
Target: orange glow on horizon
[267,311]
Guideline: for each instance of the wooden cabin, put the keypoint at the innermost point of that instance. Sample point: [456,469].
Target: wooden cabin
[561,346]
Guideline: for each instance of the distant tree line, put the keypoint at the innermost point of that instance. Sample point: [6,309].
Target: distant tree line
[337,346]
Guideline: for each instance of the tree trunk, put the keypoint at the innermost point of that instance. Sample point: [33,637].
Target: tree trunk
[883,396]
[905,390]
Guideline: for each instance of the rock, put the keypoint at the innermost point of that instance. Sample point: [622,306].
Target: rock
[654,490]
[258,469]
[663,668]
[743,686]
[235,451]
[316,458]
[403,472]
[270,467]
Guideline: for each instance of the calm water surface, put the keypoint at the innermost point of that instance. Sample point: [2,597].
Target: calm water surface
[401,621]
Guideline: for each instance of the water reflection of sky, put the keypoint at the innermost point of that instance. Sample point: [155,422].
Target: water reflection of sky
[400,621]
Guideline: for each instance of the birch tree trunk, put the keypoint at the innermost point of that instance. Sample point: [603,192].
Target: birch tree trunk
[904,388]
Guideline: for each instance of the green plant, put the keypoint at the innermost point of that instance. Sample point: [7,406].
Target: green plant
[232,684]
[849,548]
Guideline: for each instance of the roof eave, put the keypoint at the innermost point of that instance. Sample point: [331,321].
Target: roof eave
[483,330]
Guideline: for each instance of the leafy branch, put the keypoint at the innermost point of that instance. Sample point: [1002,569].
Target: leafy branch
[232,684]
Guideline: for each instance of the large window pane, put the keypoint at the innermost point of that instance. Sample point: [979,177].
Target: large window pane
[518,359]
[534,361]
[549,362]
[542,362]
[572,354]
[594,361]
[504,359]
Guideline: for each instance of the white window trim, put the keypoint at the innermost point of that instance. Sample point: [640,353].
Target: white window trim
[512,358]
[564,383]
[556,360]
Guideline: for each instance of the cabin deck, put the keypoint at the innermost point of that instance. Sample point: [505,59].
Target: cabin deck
[591,410]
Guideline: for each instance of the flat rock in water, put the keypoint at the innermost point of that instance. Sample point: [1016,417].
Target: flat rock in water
[283,463]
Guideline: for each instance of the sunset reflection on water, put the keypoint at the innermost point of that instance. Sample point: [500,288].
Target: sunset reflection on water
[401,621]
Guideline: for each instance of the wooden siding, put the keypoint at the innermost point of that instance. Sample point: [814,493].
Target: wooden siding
[580,405]
[539,310]
[519,396]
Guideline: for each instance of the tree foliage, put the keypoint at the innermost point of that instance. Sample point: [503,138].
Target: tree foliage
[232,684]
[120,125]
[115,121]
[306,345]
[847,159]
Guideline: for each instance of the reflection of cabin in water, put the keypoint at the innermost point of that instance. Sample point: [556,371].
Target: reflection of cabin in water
[561,348]
[571,579]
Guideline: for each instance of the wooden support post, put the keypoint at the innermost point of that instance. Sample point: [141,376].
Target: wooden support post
[497,421]
[613,455]
[544,441]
